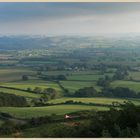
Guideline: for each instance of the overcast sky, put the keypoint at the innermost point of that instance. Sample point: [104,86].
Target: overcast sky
[69,18]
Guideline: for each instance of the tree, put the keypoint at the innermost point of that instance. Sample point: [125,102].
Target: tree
[61,77]
[12,100]
[45,97]
[50,92]
[39,72]
[29,89]
[37,90]
[120,74]
[9,127]
[25,77]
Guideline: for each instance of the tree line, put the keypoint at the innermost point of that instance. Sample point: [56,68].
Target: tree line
[12,100]
[118,92]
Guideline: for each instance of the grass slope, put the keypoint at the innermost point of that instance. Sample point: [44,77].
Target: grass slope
[32,84]
[98,100]
[28,112]
[19,93]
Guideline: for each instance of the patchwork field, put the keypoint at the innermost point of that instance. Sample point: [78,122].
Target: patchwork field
[75,81]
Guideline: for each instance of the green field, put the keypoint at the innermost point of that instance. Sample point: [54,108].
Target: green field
[13,74]
[84,77]
[79,75]
[75,80]
[28,112]
[72,86]
[19,93]
[134,75]
[32,84]
[129,84]
[98,100]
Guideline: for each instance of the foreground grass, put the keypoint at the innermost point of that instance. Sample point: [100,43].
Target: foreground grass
[96,100]
[28,112]
[129,84]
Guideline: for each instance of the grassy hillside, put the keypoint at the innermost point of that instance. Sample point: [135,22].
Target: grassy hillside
[19,93]
[98,100]
[27,112]
[32,84]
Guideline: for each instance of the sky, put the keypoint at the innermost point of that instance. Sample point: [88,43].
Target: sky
[69,18]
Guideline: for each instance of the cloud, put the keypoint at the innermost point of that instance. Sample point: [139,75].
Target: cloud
[69,18]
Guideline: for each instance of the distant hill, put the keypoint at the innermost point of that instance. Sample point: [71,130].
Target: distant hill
[65,42]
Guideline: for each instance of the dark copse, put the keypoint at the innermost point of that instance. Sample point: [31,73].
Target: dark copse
[12,100]
[86,92]
[119,92]
[104,82]
[120,74]
[25,78]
